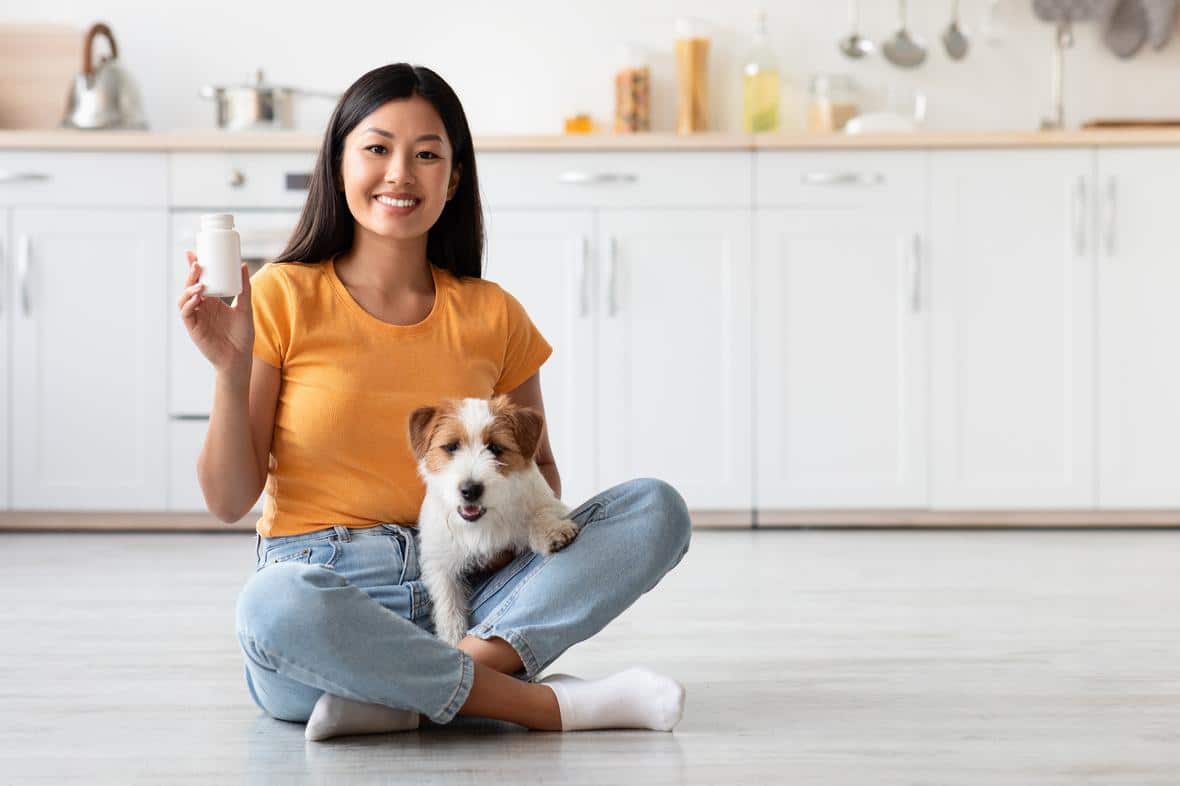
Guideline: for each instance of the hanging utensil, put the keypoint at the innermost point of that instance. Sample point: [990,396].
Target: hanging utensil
[104,95]
[954,38]
[1161,21]
[855,46]
[903,49]
[1126,32]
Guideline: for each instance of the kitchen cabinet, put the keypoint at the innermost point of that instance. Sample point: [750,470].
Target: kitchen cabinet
[546,263]
[776,330]
[84,242]
[638,273]
[1138,317]
[1012,376]
[841,331]
[88,359]
[673,372]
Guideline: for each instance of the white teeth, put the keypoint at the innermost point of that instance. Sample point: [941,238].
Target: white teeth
[397,202]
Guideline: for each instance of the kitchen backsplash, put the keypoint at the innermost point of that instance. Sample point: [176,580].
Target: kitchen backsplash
[520,66]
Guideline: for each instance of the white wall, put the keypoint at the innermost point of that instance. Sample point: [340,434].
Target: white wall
[519,65]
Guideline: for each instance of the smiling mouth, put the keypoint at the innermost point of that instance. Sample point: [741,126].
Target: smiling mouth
[399,205]
[471,512]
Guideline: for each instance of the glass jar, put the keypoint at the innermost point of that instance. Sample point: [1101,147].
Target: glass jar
[632,92]
[833,100]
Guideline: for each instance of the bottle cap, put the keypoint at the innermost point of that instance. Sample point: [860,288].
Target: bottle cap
[217,221]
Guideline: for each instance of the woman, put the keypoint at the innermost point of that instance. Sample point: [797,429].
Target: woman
[376,308]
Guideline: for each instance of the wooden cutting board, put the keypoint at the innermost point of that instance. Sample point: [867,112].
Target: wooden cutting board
[37,67]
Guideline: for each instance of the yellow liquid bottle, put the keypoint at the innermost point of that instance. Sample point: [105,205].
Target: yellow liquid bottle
[760,101]
[761,87]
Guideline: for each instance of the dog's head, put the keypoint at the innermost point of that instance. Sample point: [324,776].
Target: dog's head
[467,449]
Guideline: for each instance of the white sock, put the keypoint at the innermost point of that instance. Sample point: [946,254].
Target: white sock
[637,698]
[334,716]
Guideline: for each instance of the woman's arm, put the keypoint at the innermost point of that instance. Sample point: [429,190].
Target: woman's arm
[528,394]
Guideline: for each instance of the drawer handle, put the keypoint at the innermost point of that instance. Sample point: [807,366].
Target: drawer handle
[22,177]
[236,179]
[22,272]
[595,178]
[843,179]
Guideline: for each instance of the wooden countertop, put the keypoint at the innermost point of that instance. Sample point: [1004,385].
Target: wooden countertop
[292,141]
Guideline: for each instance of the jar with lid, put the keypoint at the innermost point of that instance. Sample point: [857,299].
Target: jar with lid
[632,91]
[833,100]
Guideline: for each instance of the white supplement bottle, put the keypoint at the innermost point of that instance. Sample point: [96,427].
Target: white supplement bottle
[219,253]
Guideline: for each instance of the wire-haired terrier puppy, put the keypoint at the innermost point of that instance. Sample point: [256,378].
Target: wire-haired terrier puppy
[484,495]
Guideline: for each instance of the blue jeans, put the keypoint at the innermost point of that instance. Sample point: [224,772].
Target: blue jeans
[344,611]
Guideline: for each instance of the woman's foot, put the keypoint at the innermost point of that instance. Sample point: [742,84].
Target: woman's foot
[335,716]
[637,698]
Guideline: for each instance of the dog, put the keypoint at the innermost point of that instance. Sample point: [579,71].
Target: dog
[484,495]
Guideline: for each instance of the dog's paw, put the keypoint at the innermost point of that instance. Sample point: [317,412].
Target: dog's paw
[554,537]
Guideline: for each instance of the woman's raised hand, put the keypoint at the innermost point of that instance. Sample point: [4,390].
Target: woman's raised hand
[224,334]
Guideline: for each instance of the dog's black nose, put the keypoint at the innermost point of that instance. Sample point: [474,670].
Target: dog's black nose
[471,491]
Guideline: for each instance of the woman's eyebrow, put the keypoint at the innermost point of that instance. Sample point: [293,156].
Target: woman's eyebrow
[387,135]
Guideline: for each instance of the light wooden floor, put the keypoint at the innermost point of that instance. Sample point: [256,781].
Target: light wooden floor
[833,657]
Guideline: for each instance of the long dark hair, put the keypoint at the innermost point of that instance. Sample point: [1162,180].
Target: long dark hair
[325,228]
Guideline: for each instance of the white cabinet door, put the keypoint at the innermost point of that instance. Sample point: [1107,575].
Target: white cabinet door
[673,372]
[7,303]
[88,366]
[545,260]
[841,326]
[1139,317]
[1013,288]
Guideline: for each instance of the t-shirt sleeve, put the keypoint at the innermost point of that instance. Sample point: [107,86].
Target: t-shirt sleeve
[525,348]
[271,303]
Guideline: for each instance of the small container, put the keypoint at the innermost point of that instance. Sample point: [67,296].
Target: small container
[692,76]
[834,100]
[632,92]
[219,253]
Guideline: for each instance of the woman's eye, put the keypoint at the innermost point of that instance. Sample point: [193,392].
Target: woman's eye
[495,449]
[451,447]
[428,153]
[378,149]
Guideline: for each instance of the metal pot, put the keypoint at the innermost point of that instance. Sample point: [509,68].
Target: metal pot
[104,95]
[257,107]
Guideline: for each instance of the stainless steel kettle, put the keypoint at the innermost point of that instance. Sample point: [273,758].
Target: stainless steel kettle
[103,96]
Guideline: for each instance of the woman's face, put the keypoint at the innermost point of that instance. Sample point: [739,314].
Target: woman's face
[398,169]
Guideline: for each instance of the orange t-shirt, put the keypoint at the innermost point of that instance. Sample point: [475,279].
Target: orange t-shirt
[341,450]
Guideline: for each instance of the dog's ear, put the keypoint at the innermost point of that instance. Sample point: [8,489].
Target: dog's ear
[526,425]
[420,430]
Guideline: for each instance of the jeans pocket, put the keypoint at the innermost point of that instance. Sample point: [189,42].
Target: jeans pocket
[323,553]
[422,605]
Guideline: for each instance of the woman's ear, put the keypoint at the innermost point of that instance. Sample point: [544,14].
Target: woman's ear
[454,184]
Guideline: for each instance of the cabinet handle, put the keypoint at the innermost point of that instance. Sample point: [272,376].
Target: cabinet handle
[236,179]
[22,272]
[916,275]
[575,178]
[1112,201]
[584,278]
[611,295]
[1079,216]
[22,177]
[843,179]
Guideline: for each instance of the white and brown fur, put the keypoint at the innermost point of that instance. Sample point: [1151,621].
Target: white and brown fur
[484,495]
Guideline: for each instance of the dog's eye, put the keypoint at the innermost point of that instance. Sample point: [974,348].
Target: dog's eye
[451,447]
[495,449]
